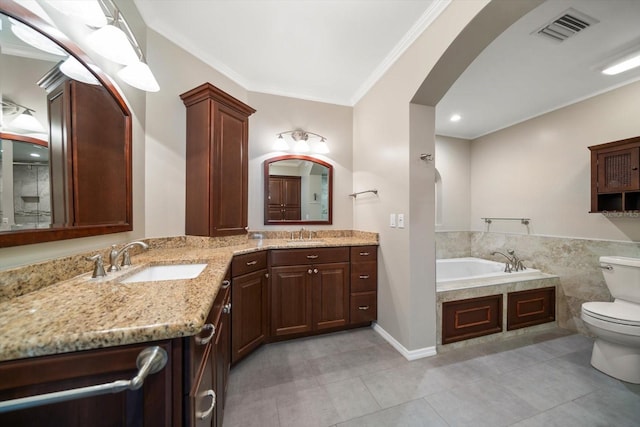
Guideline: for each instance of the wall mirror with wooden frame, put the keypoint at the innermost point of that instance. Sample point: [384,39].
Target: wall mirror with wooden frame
[85,130]
[298,189]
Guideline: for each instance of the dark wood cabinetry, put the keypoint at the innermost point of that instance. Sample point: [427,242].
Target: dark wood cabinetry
[531,307]
[284,198]
[364,284]
[87,151]
[207,364]
[152,405]
[470,318]
[249,297]
[216,162]
[309,290]
[615,176]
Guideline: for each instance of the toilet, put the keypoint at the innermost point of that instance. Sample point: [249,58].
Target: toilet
[616,325]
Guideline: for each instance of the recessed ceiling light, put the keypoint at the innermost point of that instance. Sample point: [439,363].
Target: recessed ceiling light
[622,66]
[455,118]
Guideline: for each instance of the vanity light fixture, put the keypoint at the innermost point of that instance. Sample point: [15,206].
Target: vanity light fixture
[71,67]
[34,38]
[25,120]
[89,12]
[301,142]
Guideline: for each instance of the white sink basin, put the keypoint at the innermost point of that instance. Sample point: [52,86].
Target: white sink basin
[304,242]
[156,273]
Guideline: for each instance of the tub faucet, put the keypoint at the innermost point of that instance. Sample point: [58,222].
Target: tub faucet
[114,254]
[508,266]
[516,262]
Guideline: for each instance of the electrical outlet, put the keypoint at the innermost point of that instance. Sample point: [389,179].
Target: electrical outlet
[400,220]
[392,220]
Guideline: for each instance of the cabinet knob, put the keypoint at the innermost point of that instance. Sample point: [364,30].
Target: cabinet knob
[206,414]
[227,308]
[309,271]
[212,331]
[266,275]
[634,169]
[315,271]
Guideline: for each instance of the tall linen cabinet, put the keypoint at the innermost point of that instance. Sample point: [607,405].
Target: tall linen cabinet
[216,162]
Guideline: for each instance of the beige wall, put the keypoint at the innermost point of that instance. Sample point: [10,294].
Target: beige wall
[541,169]
[382,149]
[453,162]
[277,114]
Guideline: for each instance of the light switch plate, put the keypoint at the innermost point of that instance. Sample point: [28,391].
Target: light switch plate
[400,220]
[392,220]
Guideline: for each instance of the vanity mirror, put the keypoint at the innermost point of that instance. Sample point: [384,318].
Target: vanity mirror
[297,190]
[86,129]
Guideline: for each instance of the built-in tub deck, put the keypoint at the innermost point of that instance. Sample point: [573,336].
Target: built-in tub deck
[491,304]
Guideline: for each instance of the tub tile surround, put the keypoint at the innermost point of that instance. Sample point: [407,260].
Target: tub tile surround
[55,306]
[574,261]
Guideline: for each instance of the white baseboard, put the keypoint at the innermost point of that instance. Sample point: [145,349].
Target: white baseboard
[408,354]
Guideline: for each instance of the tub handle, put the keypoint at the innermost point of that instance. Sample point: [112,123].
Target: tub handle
[606,267]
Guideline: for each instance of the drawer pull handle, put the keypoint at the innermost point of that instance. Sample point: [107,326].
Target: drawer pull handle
[205,340]
[364,253]
[363,307]
[254,262]
[227,308]
[312,256]
[364,276]
[206,414]
[226,284]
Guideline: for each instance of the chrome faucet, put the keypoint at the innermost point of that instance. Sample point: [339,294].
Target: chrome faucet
[301,234]
[114,254]
[98,266]
[513,262]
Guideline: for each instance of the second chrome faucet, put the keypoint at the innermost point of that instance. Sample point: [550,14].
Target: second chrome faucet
[114,254]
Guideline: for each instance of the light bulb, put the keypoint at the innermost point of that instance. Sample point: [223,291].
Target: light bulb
[139,75]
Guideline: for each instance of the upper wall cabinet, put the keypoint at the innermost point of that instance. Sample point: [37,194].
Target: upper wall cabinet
[217,162]
[615,176]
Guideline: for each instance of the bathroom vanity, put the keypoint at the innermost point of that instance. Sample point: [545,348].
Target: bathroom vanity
[82,331]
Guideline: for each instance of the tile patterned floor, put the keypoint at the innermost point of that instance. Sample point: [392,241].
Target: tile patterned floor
[355,378]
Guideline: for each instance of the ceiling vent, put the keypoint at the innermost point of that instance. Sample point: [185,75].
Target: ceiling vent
[570,23]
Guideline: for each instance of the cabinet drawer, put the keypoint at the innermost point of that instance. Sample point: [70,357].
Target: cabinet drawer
[364,307]
[248,263]
[364,277]
[532,307]
[309,256]
[364,253]
[470,318]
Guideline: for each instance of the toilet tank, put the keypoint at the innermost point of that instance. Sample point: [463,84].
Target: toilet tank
[623,278]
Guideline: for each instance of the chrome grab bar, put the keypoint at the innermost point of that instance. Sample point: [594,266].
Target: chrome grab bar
[606,267]
[149,361]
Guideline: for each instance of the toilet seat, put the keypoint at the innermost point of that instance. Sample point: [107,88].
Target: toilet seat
[619,312]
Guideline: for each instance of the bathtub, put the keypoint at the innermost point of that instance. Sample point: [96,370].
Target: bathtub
[462,273]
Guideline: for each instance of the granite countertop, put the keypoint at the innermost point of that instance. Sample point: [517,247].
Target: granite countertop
[81,313]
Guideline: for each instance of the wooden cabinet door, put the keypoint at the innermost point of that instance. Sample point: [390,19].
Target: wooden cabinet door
[221,363]
[284,198]
[291,300]
[249,313]
[618,170]
[330,295]
[229,174]
[157,403]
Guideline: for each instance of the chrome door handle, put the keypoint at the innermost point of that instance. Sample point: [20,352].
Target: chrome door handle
[205,340]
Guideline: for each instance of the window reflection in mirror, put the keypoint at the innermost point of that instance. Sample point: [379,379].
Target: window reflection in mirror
[298,190]
[25,199]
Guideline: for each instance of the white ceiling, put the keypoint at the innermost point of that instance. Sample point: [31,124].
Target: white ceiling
[323,50]
[334,51]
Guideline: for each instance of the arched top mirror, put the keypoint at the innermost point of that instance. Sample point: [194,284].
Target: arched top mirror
[84,127]
[297,190]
